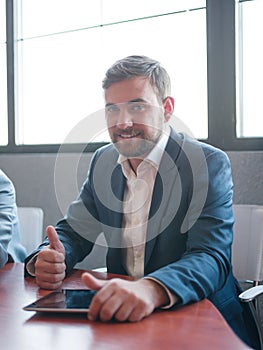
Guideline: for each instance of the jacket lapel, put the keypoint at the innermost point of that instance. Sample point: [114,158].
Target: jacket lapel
[167,185]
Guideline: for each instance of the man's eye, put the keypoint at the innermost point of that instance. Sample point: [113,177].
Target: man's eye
[112,109]
[137,107]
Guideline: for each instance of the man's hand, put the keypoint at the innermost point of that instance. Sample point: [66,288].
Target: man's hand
[124,300]
[50,264]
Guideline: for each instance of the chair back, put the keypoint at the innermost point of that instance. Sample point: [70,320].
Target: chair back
[247,248]
[31,227]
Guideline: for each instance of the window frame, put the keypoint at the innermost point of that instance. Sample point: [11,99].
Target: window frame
[221,58]
[221,75]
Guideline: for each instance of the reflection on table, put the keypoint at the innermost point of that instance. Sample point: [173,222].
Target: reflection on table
[196,326]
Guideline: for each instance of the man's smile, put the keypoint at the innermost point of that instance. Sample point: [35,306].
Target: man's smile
[128,135]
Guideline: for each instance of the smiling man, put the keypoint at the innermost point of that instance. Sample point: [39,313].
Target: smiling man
[136,124]
[164,203]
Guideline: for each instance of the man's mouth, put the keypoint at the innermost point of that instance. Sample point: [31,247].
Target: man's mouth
[128,135]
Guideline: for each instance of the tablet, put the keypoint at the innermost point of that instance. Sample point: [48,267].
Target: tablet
[64,300]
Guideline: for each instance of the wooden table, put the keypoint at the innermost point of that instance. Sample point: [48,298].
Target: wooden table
[197,326]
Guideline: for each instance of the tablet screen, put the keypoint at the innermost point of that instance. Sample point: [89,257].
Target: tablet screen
[64,300]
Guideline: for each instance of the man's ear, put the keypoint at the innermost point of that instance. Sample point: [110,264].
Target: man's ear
[168,105]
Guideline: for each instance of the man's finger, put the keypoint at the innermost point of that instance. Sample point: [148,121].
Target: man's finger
[54,240]
[92,282]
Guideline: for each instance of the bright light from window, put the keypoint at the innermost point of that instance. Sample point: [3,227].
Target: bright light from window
[250,120]
[60,75]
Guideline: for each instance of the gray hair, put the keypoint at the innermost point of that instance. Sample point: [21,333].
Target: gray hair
[133,66]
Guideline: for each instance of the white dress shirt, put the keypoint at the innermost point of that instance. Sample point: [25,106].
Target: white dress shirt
[137,202]
[136,208]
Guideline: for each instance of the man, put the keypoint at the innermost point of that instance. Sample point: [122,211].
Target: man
[163,201]
[10,246]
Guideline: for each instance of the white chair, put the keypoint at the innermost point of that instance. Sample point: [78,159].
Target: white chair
[247,249]
[247,256]
[31,227]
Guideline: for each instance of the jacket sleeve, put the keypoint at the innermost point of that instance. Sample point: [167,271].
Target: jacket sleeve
[205,265]
[79,229]
[7,215]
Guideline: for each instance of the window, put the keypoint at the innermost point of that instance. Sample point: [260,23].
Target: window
[58,51]
[250,72]
[63,56]
[3,82]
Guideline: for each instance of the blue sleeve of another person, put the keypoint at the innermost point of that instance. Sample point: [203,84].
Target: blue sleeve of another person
[10,245]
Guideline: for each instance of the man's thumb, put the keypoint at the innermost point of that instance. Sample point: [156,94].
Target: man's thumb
[92,282]
[54,241]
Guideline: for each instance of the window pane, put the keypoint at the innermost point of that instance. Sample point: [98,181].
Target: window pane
[250,120]
[128,10]
[3,87]
[60,75]
[42,17]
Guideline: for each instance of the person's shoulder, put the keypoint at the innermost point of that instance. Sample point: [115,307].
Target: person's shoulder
[191,144]
[107,151]
[5,182]
[4,177]
[214,153]
[196,152]
[106,148]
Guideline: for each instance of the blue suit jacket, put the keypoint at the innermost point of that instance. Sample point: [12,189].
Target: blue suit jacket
[189,232]
[10,245]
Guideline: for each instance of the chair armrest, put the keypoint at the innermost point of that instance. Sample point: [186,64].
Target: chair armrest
[251,293]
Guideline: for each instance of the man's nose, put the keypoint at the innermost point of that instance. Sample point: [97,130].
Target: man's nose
[124,119]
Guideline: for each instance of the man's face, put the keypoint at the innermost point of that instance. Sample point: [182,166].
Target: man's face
[135,117]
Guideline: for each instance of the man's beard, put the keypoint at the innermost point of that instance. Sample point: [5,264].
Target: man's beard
[137,146]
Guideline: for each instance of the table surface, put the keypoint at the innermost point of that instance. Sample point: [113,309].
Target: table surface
[196,326]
